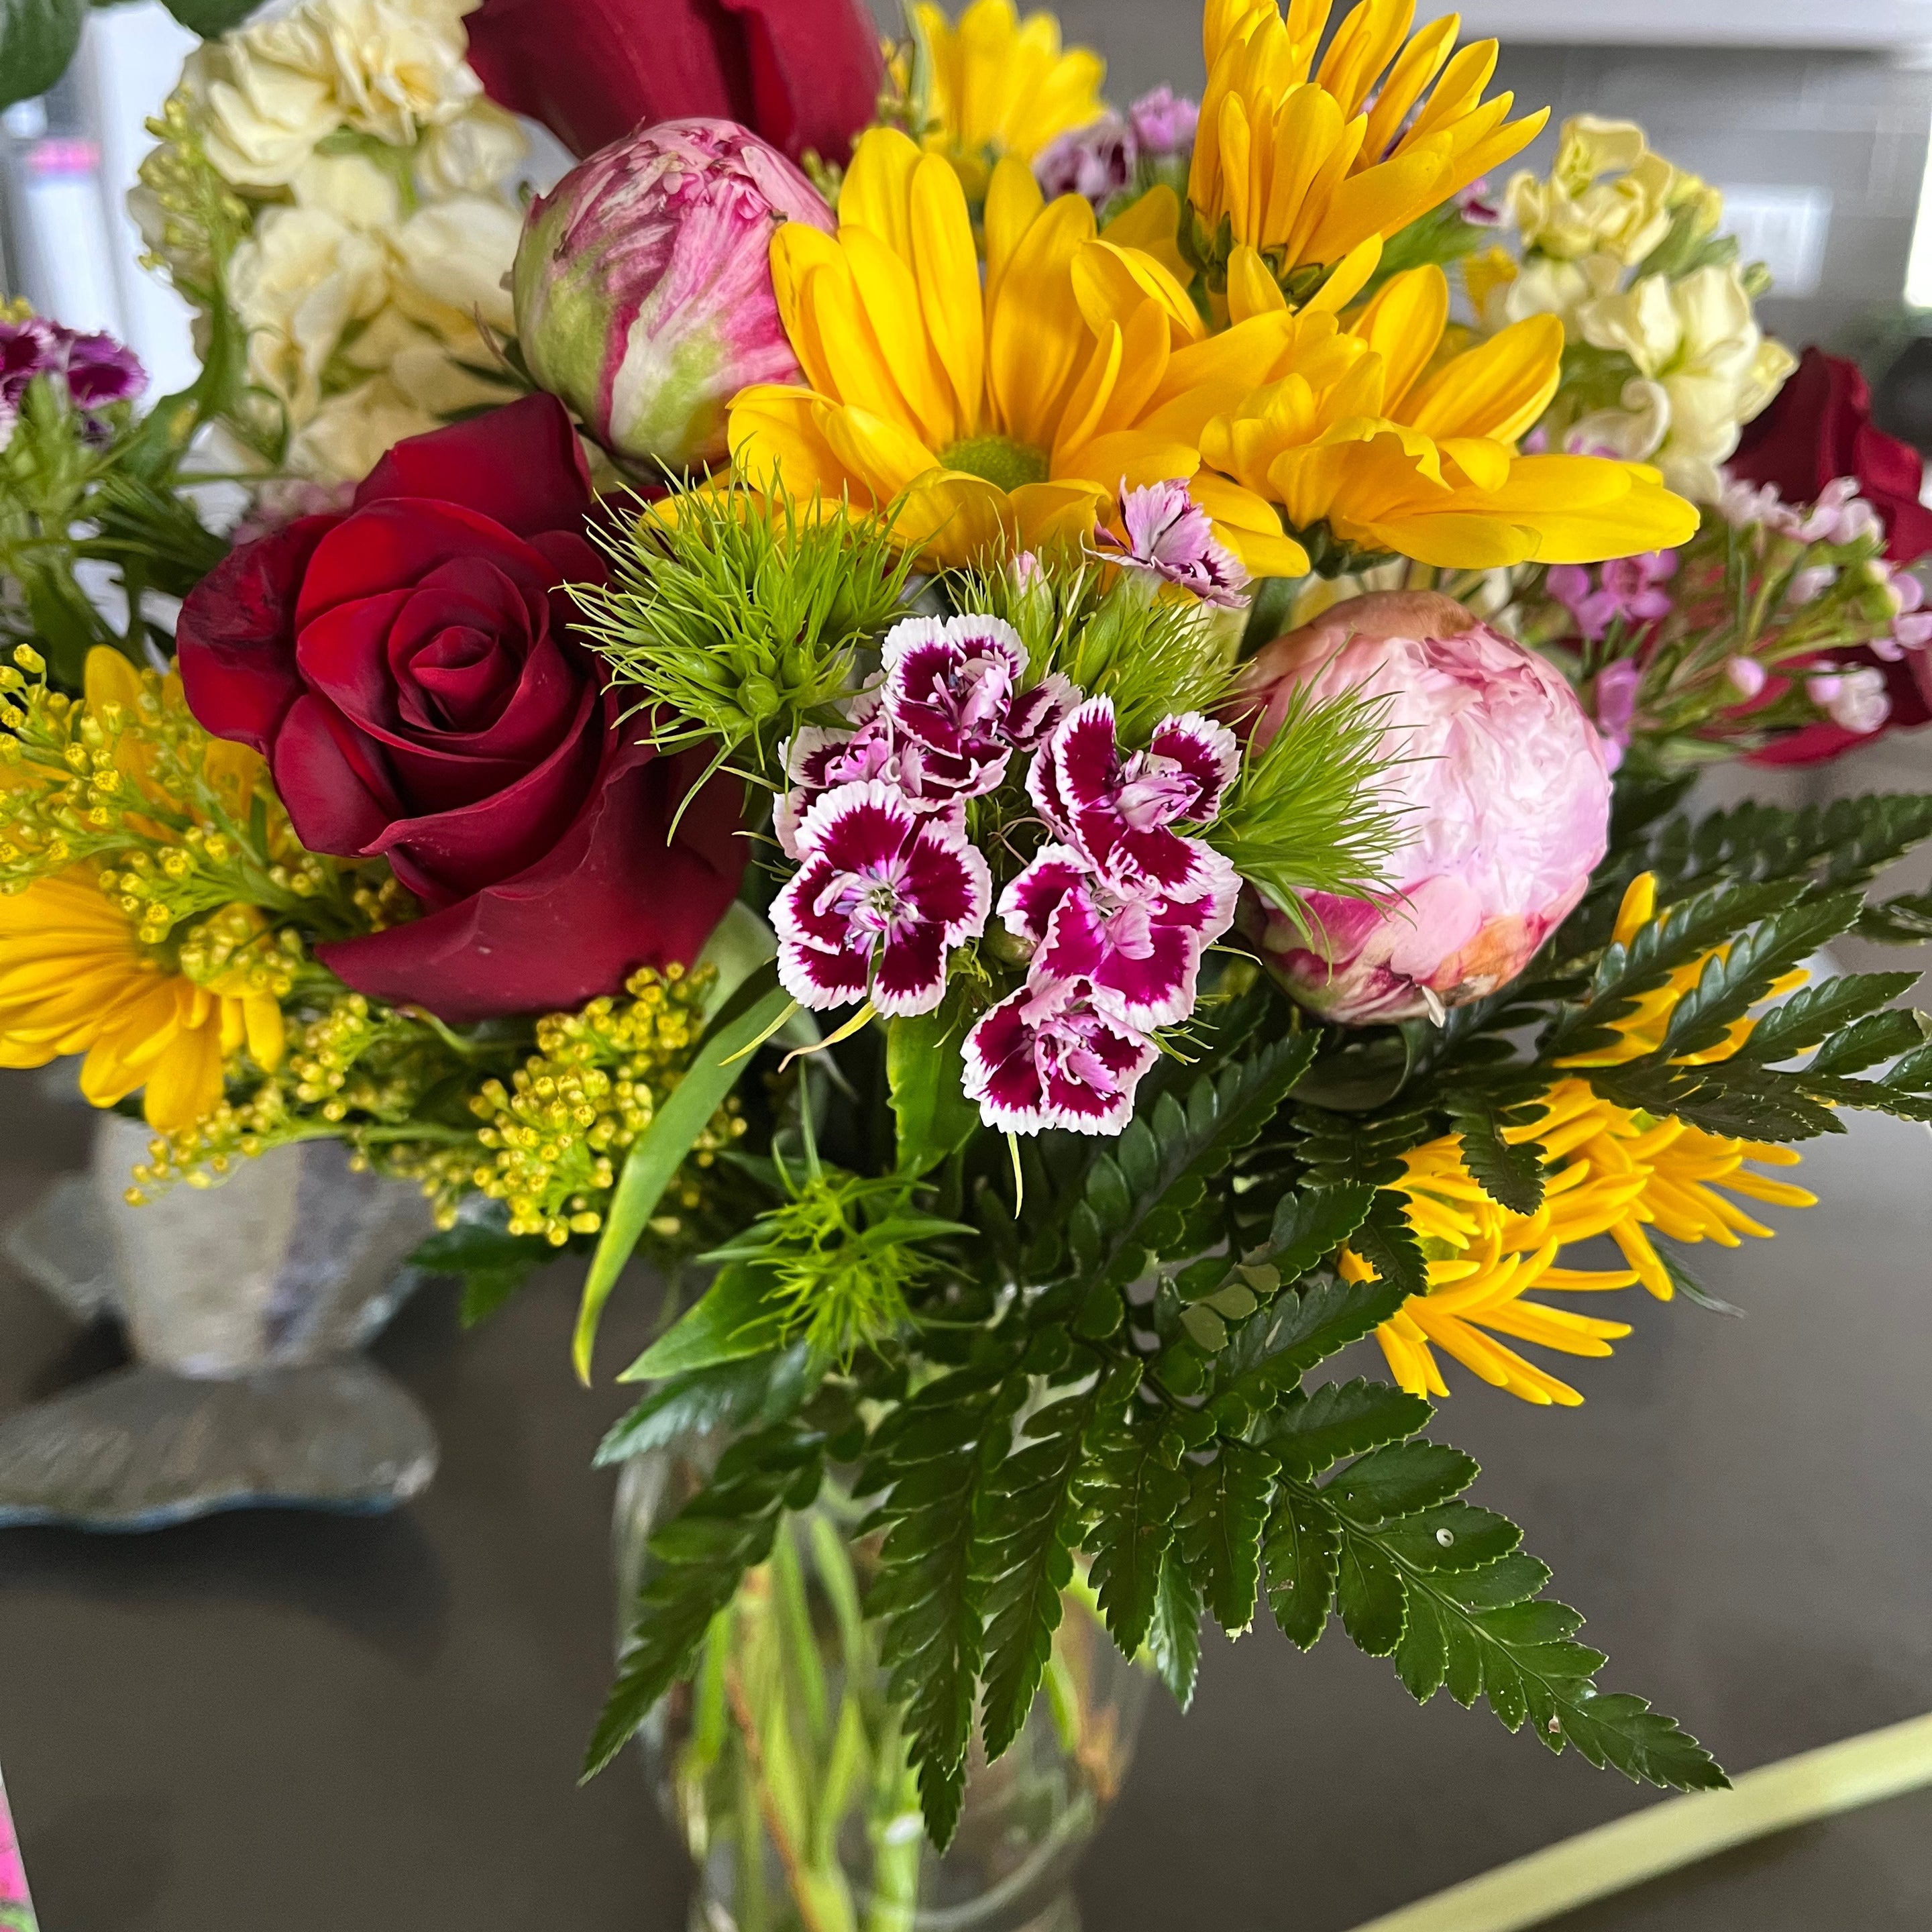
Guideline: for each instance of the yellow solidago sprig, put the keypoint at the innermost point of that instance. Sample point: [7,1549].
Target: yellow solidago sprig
[1608,1169]
[556,1135]
[989,86]
[1305,164]
[155,904]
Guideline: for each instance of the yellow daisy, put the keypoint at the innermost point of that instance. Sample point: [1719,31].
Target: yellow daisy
[75,978]
[1012,411]
[1362,430]
[1304,168]
[994,85]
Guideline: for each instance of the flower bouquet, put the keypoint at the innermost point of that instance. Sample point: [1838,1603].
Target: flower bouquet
[1061,784]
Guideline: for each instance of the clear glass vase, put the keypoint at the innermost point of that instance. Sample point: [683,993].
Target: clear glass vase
[781,1764]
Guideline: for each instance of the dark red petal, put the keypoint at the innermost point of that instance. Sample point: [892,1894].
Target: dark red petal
[393,545]
[236,636]
[521,465]
[611,897]
[332,780]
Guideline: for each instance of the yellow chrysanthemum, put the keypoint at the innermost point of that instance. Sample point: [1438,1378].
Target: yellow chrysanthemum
[1613,1171]
[74,979]
[1362,429]
[1305,169]
[995,84]
[1010,412]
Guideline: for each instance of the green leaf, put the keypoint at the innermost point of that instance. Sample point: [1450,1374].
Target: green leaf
[1134,1496]
[38,39]
[1387,1243]
[1812,1013]
[929,1591]
[757,1391]
[696,1562]
[1400,1480]
[1302,1552]
[1321,1320]
[1219,1532]
[1308,1434]
[208,18]
[659,1151]
[1191,1140]
[1510,1172]
[1027,1523]
[1310,1223]
[923,1072]
[1870,1042]
[493,1262]
[739,1314]
[1174,1639]
[1370,1594]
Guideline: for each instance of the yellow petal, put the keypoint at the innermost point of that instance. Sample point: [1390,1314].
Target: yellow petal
[877,192]
[1498,389]
[1253,290]
[1013,204]
[948,269]
[1347,280]
[1152,224]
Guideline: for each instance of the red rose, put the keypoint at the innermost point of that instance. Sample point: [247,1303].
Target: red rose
[408,669]
[801,73]
[1819,428]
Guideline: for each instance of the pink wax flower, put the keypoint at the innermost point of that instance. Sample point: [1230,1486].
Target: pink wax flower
[1615,699]
[643,286]
[1048,1057]
[1747,677]
[13,1872]
[1505,792]
[1170,536]
[882,896]
[1629,587]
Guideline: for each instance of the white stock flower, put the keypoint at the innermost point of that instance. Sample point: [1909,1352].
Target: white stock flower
[1576,212]
[476,154]
[259,119]
[1698,342]
[297,285]
[392,68]
[458,253]
[351,187]
[350,433]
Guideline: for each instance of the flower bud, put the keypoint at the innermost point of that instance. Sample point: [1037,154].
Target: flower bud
[1504,798]
[644,287]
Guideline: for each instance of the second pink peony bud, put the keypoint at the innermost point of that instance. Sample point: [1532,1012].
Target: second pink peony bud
[1506,798]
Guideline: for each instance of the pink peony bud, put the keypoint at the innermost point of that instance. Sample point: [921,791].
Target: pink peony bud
[1506,799]
[643,286]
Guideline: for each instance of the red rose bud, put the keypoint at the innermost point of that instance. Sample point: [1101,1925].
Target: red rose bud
[644,287]
[802,74]
[409,671]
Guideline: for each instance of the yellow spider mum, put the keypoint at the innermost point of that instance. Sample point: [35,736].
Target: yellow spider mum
[1613,1171]
[74,979]
[1305,169]
[994,85]
[1362,429]
[1012,412]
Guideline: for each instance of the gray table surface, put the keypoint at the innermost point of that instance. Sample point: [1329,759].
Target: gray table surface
[285,1723]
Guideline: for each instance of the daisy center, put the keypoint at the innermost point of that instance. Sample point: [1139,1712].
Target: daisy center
[998,459]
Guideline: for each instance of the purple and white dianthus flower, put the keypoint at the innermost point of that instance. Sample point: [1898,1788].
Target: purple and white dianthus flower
[953,699]
[1048,1056]
[96,370]
[882,894]
[1119,812]
[818,761]
[1171,536]
[1139,950]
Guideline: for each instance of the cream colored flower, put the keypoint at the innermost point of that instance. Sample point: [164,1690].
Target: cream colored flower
[392,68]
[350,433]
[352,188]
[1503,290]
[259,119]
[475,153]
[297,284]
[458,254]
[1696,341]
[1577,211]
